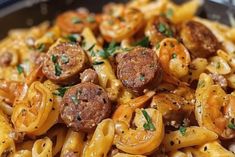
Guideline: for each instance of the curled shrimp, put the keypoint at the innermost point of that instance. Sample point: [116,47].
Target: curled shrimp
[137,141]
[174,57]
[214,109]
[116,27]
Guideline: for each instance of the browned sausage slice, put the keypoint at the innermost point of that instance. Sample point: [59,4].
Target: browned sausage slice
[63,63]
[89,75]
[84,106]
[74,22]
[199,39]
[139,69]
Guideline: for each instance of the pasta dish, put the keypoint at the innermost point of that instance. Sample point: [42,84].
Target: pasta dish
[143,79]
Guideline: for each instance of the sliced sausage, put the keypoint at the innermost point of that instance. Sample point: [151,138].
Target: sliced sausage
[89,75]
[199,39]
[159,28]
[84,106]
[139,69]
[64,62]
[74,22]
[5,59]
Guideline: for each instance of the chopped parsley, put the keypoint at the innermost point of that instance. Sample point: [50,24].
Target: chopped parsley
[41,47]
[174,55]
[64,59]
[109,51]
[98,62]
[144,42]
[165,30]
[20,69]
[75,100]
[169,13]
[61,91]
[58,69]
[182,130]
[201,84]
[142,77]
[54,58]
[90,19]
[73,37]
[76,20]
[91,48]
[218,65]
[231,126]
[157,45]
[148,125]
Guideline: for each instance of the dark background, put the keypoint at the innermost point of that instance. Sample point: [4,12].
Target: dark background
[24,13]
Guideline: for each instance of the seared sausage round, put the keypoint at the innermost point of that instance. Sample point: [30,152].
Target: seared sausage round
[84,106]
[89,75]
[199,39]
[75,22]
[63,63]
[139,69]
[159,28]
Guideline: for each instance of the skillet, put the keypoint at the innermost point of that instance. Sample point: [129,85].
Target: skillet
[25,13]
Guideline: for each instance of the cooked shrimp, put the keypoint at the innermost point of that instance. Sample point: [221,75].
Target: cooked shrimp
[174,57]
[116,27]
[128,139]
[214,109]
[159,28]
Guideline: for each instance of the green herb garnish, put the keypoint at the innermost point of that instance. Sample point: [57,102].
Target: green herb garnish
[201,84]
[165,30]
[148,125]
[76,20]
[182,130]
[169,13]
[65,59]
[144,42]
[54,58]
[109,51]
[98,62]
[58,69]
[90,19]
[142,77]
[218,65]
[231,126]
[174,55]
[61,91]
[73,37]
[157,45]
[41,47]
[75,100]
[20,69]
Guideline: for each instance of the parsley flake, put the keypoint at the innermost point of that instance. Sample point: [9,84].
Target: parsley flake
[109,51]
[148,125]
[64,59]
[61,91]
[98,62]
[20,69]
[73,37]
[58,69]
[90,19]
[169,13]
[41,47]
[75,100]
[54,58]
[174,55]
[231,126]
[165,30]
[144,42]
[76,20]
[182,130]
[142,77]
